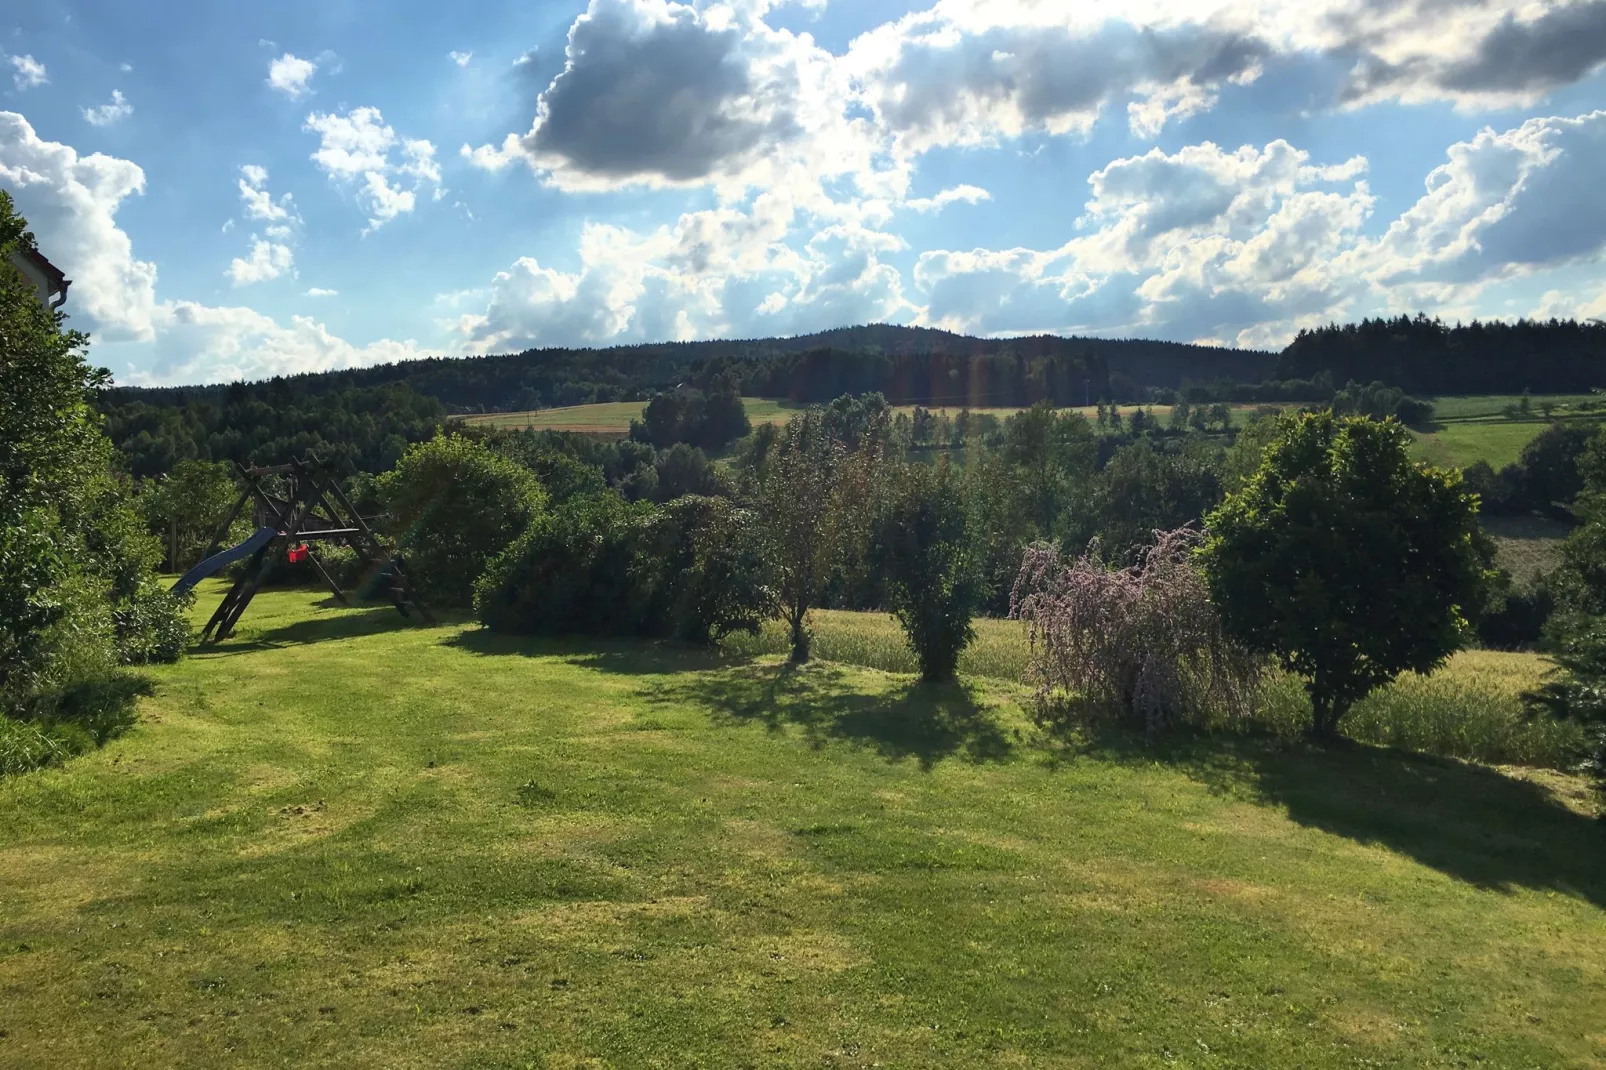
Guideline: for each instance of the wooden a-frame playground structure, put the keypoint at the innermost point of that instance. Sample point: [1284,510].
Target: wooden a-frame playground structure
[313,510]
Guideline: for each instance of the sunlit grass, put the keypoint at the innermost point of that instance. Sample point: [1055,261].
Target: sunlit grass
[343,839]
[1471,708]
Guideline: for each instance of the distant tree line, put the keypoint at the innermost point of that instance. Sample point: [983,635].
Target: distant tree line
[1427,356]
[363,428]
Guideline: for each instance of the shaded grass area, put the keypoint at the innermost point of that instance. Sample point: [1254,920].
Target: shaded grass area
[1526,546]
[381,845]
[86,716]
[1471,708]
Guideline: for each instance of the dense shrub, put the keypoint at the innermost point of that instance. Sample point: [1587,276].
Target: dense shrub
[454,504]
[79,595]
[703,560]
[683,470]
[1378,401]
[691,570]
[928,567]
[572,572]
[1515,617]
[1143,643]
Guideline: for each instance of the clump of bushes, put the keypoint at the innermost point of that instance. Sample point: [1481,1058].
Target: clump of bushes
[1143,643]
[1378,401]
[1546,478]
[709,420]
[454,504]
[603,567]
[930,570]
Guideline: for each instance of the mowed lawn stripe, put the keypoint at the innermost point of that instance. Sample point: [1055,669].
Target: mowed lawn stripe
[346,839]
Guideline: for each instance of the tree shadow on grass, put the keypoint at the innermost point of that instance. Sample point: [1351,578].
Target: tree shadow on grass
[629,657]
[348,624]
[1467,821]
[925,722]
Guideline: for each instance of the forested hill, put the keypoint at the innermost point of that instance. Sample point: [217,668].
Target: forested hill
[910,363]
[1427,356]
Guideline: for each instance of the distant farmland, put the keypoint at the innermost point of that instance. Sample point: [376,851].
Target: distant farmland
[612,419]
[1465,429]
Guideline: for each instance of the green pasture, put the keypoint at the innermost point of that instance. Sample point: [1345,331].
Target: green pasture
[342,839]
[1470,429]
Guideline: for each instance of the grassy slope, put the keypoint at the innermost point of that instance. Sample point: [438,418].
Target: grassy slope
[1471,429]
[337,841]
[1527,546]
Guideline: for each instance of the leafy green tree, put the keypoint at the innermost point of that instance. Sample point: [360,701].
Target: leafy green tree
[1346,560]
[684,470]
[1551,478]
[454,504]
[79,594]
[810,506]
[1577,690]
[1052,456]
[187,506]
[929,568]
[1145,489]
[707,568]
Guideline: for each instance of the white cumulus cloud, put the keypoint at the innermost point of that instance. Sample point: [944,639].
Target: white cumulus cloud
[267,260]
[107,114]
[359,150]
[28,72]
[660,93]
[71,202]
[460,58]
[292,75]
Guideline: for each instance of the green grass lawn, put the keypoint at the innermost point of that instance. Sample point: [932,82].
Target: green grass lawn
[344,840]
[1471,429]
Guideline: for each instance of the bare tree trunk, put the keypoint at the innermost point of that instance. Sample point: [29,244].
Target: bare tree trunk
[800,635]
[1328,712]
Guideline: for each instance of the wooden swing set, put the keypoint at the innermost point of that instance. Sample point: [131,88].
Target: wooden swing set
[314,510]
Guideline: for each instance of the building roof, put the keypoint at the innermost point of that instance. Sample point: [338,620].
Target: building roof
[58,280]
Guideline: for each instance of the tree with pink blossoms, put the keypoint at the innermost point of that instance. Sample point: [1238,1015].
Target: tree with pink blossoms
[1142,643]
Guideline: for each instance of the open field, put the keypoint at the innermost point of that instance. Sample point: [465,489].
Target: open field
[1526,546]
[1471,429]
[341,839]
[613,418]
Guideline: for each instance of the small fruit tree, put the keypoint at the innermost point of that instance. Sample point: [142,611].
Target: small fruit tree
[1346,560]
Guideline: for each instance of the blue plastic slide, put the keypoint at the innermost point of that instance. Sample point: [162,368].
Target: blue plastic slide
[218,561]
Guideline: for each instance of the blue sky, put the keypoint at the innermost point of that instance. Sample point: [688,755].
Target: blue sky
[240,192]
